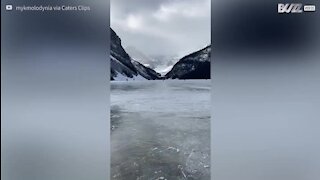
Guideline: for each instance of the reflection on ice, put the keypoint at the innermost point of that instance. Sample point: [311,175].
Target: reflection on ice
[160,130]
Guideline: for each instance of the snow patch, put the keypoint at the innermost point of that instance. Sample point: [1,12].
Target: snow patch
[121,77]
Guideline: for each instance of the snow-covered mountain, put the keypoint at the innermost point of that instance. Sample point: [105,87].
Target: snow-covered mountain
[164,63]
[139,56]
[160,63]
[192,66]
[123,67]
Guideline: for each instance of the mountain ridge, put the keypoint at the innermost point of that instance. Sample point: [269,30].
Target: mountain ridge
[192,66]
[195,65]
[123,67]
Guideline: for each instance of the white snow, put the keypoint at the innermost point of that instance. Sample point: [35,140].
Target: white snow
[163,70]
[121,77]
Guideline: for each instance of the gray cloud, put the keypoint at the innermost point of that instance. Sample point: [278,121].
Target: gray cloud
[168,27]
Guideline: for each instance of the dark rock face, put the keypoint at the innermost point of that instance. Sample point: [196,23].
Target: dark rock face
[120,61]
[146,72]
[122,65]
[192,66]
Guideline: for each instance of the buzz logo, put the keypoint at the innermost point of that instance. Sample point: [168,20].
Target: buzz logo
[289,8]
[295,8]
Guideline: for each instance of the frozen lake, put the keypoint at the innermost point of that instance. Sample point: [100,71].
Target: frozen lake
[160,130]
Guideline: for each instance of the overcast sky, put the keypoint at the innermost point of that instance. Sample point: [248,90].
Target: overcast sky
[162,27]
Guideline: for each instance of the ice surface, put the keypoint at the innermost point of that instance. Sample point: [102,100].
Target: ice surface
[160,129]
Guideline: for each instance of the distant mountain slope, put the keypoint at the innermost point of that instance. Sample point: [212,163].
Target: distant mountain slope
[192,66]
[123,67]
[146,72]
[160,63]
[139,56]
